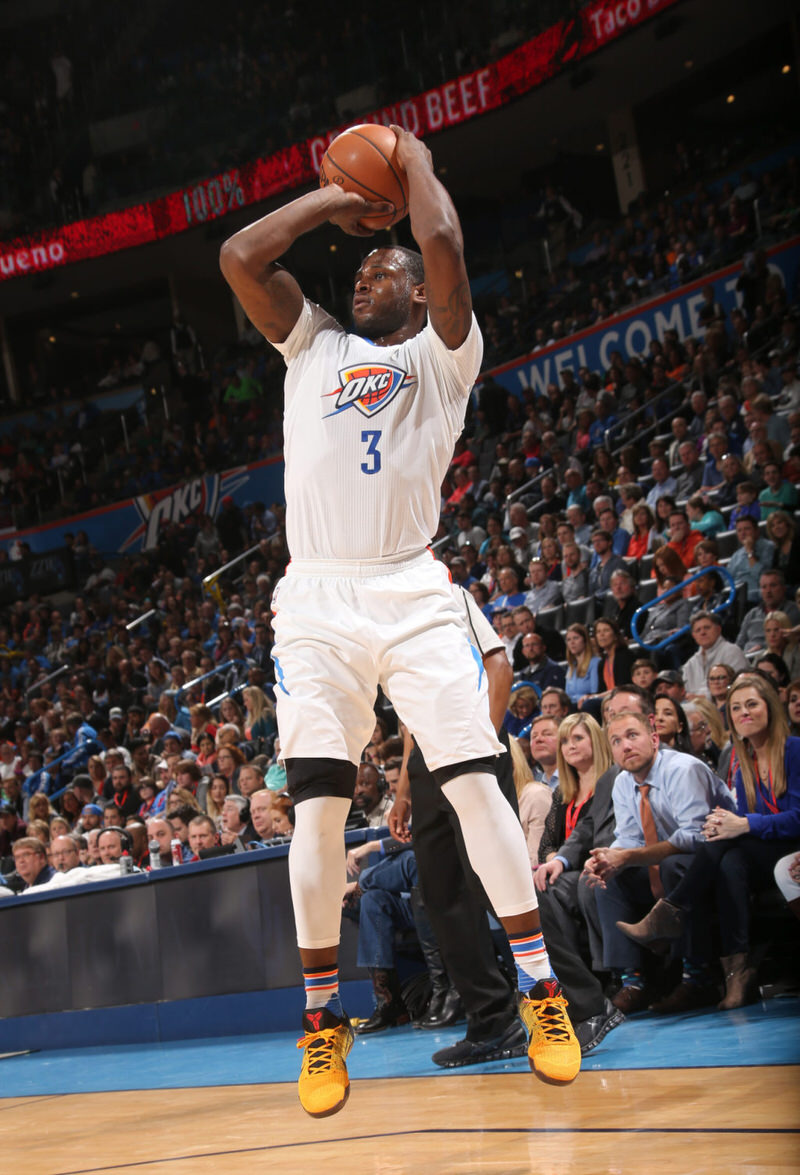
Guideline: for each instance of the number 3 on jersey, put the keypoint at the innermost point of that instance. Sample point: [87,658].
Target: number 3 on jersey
[370,438]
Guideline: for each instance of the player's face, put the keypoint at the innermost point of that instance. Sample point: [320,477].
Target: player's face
[383,295]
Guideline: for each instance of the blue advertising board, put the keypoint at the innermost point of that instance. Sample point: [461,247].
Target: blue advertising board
[631,332]
[134,525]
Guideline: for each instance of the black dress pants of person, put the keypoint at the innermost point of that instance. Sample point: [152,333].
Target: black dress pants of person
[562,915]
[456,904]
[722,879]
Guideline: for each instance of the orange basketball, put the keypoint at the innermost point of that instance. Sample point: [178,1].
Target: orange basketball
[363,160]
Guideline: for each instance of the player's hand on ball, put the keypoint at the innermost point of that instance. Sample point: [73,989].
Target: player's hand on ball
[351,208]
[410,148]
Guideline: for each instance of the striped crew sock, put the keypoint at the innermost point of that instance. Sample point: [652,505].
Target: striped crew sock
[532,959]
[322,989]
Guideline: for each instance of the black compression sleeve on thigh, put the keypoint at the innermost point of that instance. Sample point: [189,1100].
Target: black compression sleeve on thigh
[443,775]
[307,779]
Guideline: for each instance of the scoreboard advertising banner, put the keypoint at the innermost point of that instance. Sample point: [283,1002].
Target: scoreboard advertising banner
[473,94]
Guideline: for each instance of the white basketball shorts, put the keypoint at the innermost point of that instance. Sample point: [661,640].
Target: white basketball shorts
[338,635]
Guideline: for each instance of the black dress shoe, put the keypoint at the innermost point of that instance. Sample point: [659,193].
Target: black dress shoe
[686,997]
[442,1012]
[385,1016]
[511,1043]
[631,999]
[592,1030]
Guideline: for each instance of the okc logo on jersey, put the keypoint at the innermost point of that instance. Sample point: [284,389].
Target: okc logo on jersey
[368,387]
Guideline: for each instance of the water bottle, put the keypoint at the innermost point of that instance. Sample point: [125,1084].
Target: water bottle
[125,865]
[155,855]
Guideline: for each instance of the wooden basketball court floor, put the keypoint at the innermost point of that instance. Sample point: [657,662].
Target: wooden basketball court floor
[703,1093]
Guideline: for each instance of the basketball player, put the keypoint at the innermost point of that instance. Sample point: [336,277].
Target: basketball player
[370,421]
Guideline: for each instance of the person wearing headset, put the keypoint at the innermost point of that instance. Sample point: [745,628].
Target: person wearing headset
[370,797]
[112,843]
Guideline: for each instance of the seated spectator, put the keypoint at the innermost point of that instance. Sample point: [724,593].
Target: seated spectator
[230,759]
[535,665]
[709,740]
[752,557]
[30,864]
[663,619]
[778,493]
[236,827]
[544,593]
[370,798]
[261,816]
[772,598]
[741,847]
[664,483]
[544,749]
[747,504]
[582,757]
[672,725]
[582,665]
[260,725]
[782,533]
[703,520]
[555,703]
[179,820]
[509,594]
[773,667]
[574,573]
[780,640]
[204,838]
[643,673]
[646,537]
[604,564]
[690,478]
[653,847]
[522,705]
[712,649]
[620,539]
[282,815]
[682,540]
[621,605]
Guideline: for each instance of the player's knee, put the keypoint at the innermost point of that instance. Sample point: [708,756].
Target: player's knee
[452,771]
[308,779]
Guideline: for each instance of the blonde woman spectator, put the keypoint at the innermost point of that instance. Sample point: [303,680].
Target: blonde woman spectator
[780,638]
[218,789]
[260,722]
[232,713]
[583,755]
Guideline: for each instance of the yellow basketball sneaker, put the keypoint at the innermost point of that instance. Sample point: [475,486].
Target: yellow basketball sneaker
[553,1050]
[324,1085]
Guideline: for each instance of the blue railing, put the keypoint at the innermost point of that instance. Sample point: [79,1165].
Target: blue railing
[724,575]
[226,665]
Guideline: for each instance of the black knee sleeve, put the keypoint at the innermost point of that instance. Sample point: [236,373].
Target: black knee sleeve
[443,775]
[306,779]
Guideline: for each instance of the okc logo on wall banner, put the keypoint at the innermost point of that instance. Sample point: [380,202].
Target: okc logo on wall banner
[369,387]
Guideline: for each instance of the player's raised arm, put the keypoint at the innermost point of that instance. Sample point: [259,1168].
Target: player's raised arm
[270,296]
[437,231]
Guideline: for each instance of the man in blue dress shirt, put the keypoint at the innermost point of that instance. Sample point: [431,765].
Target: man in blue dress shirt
[661,799]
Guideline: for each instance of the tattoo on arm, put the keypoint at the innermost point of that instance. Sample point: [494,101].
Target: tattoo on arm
[453,316]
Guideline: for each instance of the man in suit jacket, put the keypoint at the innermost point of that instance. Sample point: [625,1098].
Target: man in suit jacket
[567,902]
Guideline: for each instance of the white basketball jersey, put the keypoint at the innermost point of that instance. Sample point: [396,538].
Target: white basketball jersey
[368,437]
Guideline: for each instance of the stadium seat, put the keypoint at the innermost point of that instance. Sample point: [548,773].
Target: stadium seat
[646,591]
[579,611]
[727,543]
[551,618]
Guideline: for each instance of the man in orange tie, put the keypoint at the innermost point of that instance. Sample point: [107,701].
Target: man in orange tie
[661,799]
